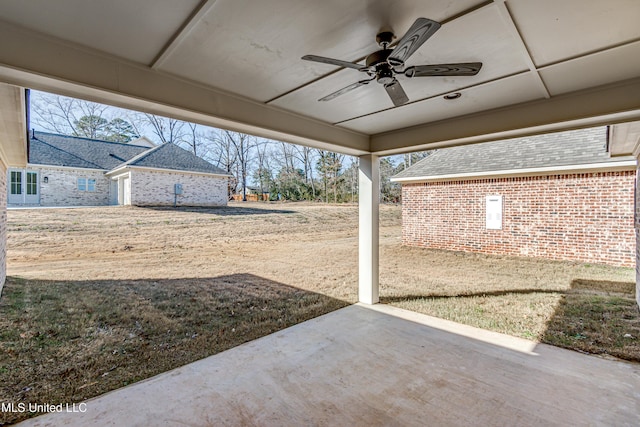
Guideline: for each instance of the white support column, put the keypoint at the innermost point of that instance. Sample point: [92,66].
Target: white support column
[368,247]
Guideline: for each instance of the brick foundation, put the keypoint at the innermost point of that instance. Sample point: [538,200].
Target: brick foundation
[587,217]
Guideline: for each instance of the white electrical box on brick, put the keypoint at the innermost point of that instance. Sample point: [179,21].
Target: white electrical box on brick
[494,212]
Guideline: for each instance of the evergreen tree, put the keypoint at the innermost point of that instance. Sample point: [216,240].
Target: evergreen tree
[119,130]
[93,127]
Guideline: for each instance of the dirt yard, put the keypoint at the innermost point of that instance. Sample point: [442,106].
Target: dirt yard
[98,298]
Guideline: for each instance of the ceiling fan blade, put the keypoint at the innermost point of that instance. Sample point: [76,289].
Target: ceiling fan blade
[460,69]
[344,90]
[331,61]
[396,93]
[419,32]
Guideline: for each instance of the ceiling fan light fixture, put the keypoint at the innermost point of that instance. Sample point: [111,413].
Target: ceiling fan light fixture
[451,96]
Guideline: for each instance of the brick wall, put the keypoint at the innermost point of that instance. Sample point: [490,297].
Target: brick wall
[581,217]
[61,188]
[157,188]
[637,232]
[3,225]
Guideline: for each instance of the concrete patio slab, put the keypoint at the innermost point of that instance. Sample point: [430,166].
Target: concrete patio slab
[377,365]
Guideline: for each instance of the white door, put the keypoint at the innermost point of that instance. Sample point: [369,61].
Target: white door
[31,195]
[23,187]
[126,191]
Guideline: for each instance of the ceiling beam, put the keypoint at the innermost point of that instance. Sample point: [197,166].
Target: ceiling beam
[615,103]
[624,139]
[13,131]
[519,42]
[186,28]
[41,62]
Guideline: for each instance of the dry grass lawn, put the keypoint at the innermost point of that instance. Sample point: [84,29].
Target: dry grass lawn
[98,298]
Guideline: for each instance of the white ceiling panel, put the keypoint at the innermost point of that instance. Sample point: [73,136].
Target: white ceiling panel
[237,64]
[136,30]
[479,36]
[360,101]
[253,48]
[555,30]
[620,63]
[520,88]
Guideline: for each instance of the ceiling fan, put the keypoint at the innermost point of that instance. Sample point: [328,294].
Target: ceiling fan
[384,65]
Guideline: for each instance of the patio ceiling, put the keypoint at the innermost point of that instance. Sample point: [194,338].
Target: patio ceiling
[547,65]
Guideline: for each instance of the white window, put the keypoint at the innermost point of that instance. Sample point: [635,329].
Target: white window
[494,212]
[86,184]
[16,182]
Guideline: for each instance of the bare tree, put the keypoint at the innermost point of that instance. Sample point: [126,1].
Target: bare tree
[233,151]
[69,116]
[167,129]
[223,155]
[288,156]
[306,156]
[352,177]
[329,166]
[410,158]
[243,146]
[263,172]
[194,139]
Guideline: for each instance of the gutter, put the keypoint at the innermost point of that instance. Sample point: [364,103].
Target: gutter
[123,168]
[550,170]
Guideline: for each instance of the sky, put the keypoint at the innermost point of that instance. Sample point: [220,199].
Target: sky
[111,112]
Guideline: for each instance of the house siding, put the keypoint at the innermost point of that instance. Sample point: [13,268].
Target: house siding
[585,217]
[3,225]
[62,187]
[156,188]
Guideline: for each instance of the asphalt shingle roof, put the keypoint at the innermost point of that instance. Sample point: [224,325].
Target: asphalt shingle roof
[71,151]
[170,156]
[62,150]
[578,147]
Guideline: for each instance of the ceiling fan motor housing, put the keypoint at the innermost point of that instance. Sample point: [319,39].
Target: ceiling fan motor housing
[384,74]
[378,61]
[379,57]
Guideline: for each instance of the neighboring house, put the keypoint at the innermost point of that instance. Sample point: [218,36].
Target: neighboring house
[558,196]
[73,171]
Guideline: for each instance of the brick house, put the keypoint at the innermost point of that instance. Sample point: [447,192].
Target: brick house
[557,196]
[71,171]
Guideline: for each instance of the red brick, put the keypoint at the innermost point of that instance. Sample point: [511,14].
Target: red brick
[587,217]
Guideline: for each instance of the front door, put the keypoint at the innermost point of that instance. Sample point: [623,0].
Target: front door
[23,187]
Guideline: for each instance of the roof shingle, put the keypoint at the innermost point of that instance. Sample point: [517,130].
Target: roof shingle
[578,147]
[71,151]
[170,156]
